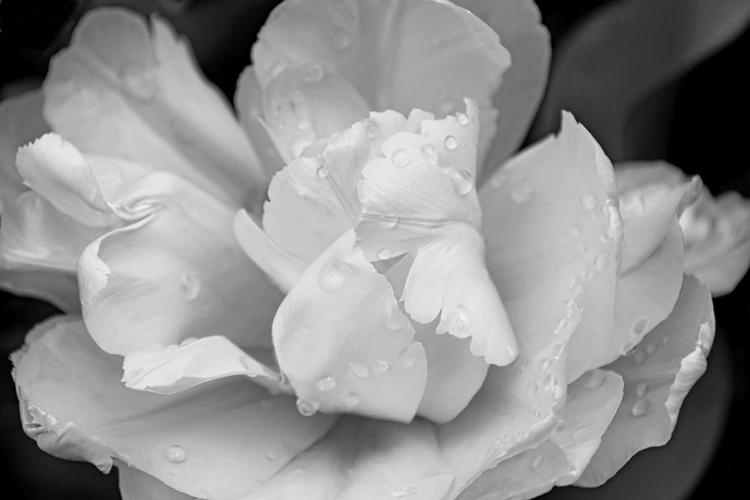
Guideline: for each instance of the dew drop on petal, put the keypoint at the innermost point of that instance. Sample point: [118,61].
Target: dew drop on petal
[334,277]
[589,201]
[382,366]
[175,454]
[537,462]
[400,158]
[650,349]
[523,193]
[372,129]
[326,384]
[359,370]
[641,389]
[322,172]
[350,400]
[387,221]
[550,381]
[410,362]
[384,254]
[190,285]
[461,322]
[430,154]
[640,408]
[306,409]
[498,180]
[462,119]
[410,491]
[600,262]
[451,142]
[462,181]
[270,456]
[639,357]
[640,326]
[557,351]
[394,319]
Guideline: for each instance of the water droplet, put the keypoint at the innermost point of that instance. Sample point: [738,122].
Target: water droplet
[430,154]
[307,409]
[372,129]
[394,318]
[359,370]
[400,158]
[387,221]
[650,349]
[640,326]
[270,455]
[641,408]
[546,363]
[537,462]
[334,277]
[451,142]
[326,384]
[639,357]
[600,262]
[382,366]
[523,193]
[384,254]
[462,119]
[461,322]
[350,400]
[510,351]
[314,73]
[589,201]
[550,381]
[665,340]
[498,180]
[175,454]
[322,172]
[410,362]
[641,389]
[191,286]
[557,351]
[462,181]
[576,231]
[341,39]
[410,491]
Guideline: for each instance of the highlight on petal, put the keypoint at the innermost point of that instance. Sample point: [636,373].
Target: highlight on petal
[397,54]
[131,91]
[175,368]
[591,404]
[518,22]
[175,274]
[622,55]
[21,122]
[658,375]
[366,359]
[553,231]
[364,458]
[220,440]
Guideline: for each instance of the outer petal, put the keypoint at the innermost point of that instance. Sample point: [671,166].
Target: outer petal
[658,376]
[364,458]
[122,91]
[365,357]
[175,274]
[521,32]
[591,405]
[553,231]
[60,289]
[219,441]
[137,485]
[398,54]
[622,55]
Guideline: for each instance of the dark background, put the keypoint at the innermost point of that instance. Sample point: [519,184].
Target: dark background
[716,91]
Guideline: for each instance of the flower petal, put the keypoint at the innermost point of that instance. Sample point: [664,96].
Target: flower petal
[175,274]
[591,405]
[59,289]
[658,376]
[548,214]
[125,91]
[717,240]
[363,458]
[175,368]
[137,485]
[218,441]
[398,54]
[519,25]
[343,342]
[21,122]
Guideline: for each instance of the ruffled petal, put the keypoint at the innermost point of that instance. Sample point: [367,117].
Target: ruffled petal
[137,485]
[306,103]
[175,274]
[218,441]
[651,194]
[521,32]
[552,230]
[363,458]
[175,368]
[127,91]
[591,405]
[398,55]
[658,376]
[21,122]
[365,356]
[717,240]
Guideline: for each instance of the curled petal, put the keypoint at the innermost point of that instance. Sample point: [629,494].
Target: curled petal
[127,91]
[175,274]
[398,54]
[219,441]
[364,458]
[591,405]
[658,376]
[366,358]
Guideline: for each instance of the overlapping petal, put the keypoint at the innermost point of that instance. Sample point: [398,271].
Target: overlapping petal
[658,376]
[124,90]
[220,440]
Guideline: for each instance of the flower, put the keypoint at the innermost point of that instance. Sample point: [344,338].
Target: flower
[402,330]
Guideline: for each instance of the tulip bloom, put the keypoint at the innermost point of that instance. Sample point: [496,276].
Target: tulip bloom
[342,293]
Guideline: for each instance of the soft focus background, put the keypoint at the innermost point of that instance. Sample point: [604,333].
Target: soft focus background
[697,121]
